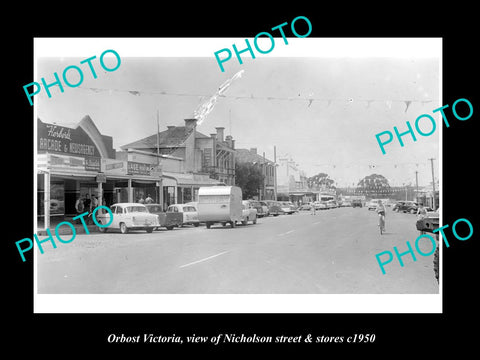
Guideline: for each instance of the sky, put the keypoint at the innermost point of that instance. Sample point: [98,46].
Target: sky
[319,106]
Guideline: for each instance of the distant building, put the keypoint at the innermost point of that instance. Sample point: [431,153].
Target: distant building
[426,196]
[267,192]
[292,182]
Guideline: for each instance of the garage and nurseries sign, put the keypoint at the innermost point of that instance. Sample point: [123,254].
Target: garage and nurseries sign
[67,141]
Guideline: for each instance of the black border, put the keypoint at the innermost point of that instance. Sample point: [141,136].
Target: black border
[409,333]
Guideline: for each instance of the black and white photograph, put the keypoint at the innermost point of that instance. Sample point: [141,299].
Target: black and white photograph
[308,171]
[212,178]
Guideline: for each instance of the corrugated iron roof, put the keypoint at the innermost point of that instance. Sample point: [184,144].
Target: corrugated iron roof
[168,138]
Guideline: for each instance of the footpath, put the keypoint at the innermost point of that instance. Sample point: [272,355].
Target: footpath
[65,229]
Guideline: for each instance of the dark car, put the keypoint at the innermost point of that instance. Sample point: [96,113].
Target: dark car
[357,203]
[165,219]
[274,207]
[406,207]
[260,208]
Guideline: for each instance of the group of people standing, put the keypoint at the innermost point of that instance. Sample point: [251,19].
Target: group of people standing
[86,204]
[147,200]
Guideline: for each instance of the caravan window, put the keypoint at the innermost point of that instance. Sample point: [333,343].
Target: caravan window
[213,199]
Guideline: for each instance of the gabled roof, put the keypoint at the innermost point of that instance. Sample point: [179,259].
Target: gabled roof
[246,156]
[172,137]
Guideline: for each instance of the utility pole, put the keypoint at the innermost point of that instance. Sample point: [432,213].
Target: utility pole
[416,182]
[275,173]
[264,177]
[433,185]
[160,182]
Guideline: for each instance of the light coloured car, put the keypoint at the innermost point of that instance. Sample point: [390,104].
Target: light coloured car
[249,213]
[190,213]
[287,207]
[128,216]
[372,204]
[320,205]
[332,204]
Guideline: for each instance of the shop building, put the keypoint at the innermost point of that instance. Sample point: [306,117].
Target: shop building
[205,157]
[292,182]
[69,162]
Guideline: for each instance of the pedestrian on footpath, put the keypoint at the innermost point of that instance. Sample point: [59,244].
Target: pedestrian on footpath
[148,200]
[79,207]
[87,204]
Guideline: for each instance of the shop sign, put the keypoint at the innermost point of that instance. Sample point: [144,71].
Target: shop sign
[92,163]
[64,140]
[136,168]
[101,178]
[88,164]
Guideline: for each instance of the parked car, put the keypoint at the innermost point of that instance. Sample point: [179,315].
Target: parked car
[265,207]
[346,203]
[262,210]
[249,213]
[293,206]
[168,220]
[357,203]
[274,207]
[189,213]
[287,208]
[128,216]
[320,205]
[372,204]
[406,206]
[304,207]
[331,204]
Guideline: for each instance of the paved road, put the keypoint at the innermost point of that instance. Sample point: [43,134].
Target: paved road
[332,252]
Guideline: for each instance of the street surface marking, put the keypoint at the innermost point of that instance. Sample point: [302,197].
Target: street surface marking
[318,222]
[288,232]
[207,258]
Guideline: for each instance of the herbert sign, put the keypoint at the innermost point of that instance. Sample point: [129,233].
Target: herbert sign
[62,140]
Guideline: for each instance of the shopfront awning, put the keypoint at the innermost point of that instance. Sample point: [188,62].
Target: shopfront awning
[192,179]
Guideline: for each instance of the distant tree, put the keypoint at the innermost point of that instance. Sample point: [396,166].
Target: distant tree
[249,178]
[374,185]
[320,181]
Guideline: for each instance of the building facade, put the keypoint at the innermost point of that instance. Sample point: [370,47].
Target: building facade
[211,155]
[267,167]
[292,182]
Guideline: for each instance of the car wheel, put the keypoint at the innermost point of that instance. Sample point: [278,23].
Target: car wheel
[196,224]
[233,224]
[255,221]
[149,230]
[102,229]
[208,224]
[123,228]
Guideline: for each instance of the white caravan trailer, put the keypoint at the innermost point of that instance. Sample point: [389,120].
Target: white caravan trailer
[219,204]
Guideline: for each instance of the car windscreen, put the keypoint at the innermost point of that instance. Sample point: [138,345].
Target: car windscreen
[130,209]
